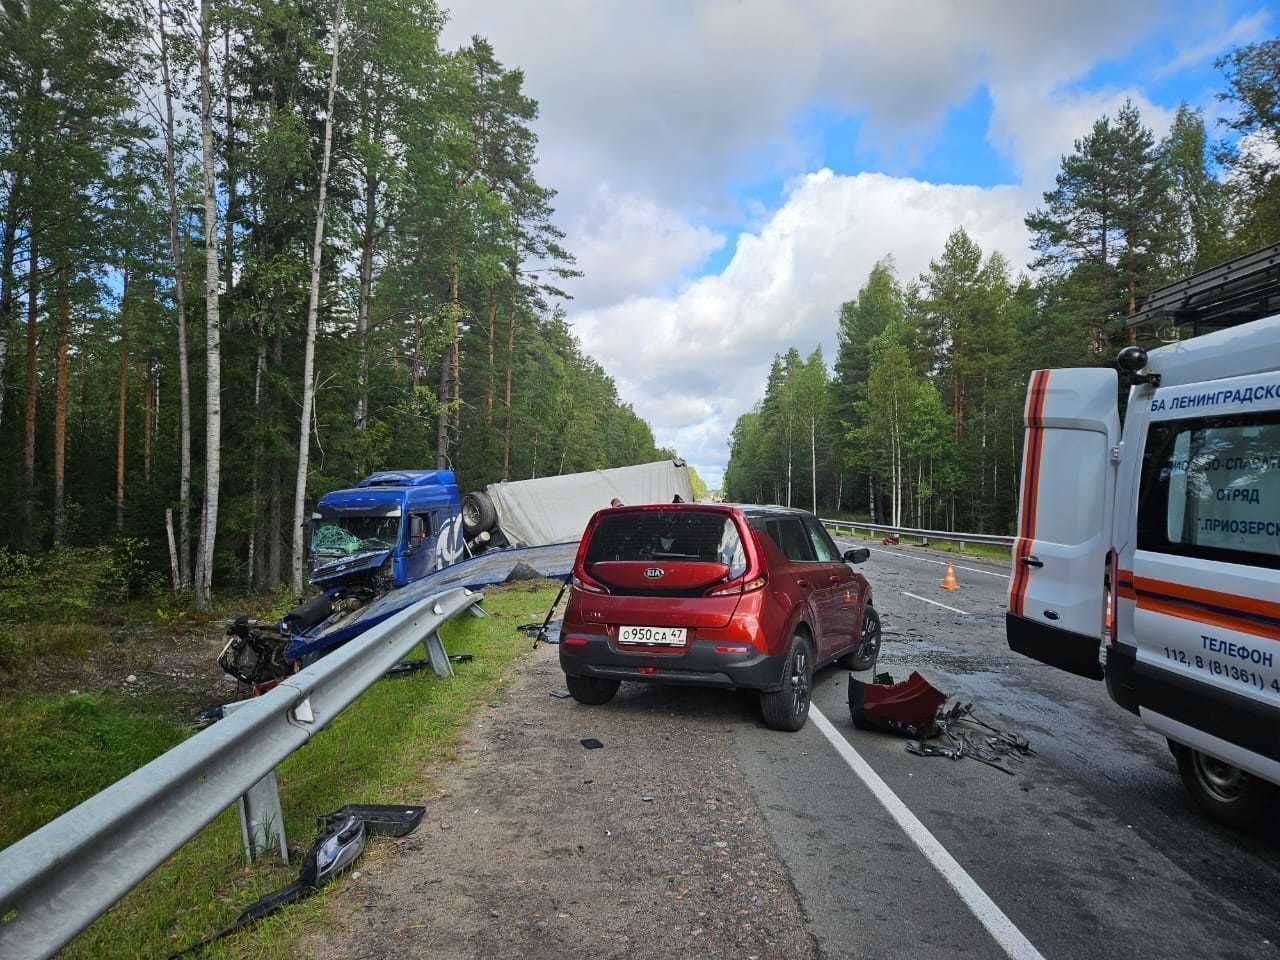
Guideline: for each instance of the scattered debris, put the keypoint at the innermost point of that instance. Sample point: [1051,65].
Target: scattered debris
[591,743]
[908,708]
[646,799]
[341,841]
[131,678]
[561,694]
[406,667]
[891,540]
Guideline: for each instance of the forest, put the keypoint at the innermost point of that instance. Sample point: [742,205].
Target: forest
[918,423]
[251,251]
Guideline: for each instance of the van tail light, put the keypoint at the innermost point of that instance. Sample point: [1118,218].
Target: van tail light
[738,587]
[1109,626]
[586,585]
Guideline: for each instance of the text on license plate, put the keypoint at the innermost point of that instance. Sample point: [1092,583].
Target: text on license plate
[666,636]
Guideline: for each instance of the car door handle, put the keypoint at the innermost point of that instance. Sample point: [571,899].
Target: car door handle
[803,583]
[833,579]
[1031,560]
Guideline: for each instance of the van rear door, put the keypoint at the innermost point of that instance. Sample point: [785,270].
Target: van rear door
[1056,591]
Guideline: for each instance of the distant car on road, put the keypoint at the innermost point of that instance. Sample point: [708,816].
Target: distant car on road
[715,595]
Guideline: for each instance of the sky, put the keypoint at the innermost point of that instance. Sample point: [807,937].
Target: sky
[729,171]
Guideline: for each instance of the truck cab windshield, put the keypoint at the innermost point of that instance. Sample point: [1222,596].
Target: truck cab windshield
[342,536]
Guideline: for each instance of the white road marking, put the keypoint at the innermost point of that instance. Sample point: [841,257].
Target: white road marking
[1001,928]
[934,602]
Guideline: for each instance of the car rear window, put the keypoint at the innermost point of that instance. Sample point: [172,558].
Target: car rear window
[668,535]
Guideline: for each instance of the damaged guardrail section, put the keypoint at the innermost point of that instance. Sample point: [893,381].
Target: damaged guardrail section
[951,535]
[57,880]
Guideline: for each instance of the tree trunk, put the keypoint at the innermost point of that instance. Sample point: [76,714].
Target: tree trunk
[813,459]
[60,413]
[229,170]
[33,357]
[511,352]
[173,550]
[180,301]
[274,535]
[442,421]
[366,293]
[6,291]
[313,309]
[213,332]
[148,416]
[489,390]
[122,400]
[255,551]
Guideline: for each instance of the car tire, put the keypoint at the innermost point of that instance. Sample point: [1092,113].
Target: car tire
[788,707]
[865,654]
[1222,792]
[592,691]
[478,513]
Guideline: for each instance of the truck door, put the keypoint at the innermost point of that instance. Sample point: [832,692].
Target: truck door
[1056,591]
[418,558]
[1205,577]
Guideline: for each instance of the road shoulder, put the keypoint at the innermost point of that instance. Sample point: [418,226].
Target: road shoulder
[534,846]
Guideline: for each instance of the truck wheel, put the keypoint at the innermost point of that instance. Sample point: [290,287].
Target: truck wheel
[1226,793]
[865,653]
[592,691]
[788,708]
[478,513]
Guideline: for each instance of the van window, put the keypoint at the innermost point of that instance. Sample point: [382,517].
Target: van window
[1211,489]
[790,536]
[669,535]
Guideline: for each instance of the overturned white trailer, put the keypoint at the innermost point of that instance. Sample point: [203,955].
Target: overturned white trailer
[528,513]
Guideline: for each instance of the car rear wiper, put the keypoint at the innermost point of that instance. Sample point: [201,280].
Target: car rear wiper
[676,556]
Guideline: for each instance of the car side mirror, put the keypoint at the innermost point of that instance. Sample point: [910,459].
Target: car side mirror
[860,555]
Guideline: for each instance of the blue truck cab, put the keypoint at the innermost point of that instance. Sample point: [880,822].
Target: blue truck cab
[391,529]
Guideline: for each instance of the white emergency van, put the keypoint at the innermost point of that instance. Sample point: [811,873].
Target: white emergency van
[1161,544]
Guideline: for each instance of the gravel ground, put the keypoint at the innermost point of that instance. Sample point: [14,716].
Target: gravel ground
[534,846]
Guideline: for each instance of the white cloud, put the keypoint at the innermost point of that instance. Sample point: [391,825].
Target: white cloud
[692,362]
[1243,30]
[1038,126]
[628,245]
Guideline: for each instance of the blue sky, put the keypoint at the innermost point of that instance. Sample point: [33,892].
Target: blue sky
[730,171]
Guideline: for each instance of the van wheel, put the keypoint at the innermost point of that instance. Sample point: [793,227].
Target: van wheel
[1226,793]
[864,655]
[592,691]
[788,708]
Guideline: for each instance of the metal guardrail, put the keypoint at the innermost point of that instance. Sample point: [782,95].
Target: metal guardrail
[925,535]
[59,879]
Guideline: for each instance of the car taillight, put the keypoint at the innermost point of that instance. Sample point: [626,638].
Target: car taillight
[739,587]
[585,585]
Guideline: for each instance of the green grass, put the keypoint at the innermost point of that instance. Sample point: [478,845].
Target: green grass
[60,751]
[381,749]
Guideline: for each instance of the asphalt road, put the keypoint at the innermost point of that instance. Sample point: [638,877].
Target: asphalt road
[1091,849]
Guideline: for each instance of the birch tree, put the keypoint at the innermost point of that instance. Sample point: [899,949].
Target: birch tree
[180,305]
[213,331]
[313,307]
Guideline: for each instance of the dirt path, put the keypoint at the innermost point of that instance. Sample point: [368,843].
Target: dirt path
[536,847]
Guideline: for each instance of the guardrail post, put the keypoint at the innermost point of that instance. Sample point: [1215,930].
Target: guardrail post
[262,819]
[437,654]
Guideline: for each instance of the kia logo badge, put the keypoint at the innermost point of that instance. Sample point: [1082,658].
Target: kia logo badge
[653,573]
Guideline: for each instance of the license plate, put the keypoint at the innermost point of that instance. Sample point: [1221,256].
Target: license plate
[657,636]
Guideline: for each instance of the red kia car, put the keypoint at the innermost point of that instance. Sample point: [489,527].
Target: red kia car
[714,595]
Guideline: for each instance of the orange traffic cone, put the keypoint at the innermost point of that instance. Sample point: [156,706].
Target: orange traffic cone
[949,579]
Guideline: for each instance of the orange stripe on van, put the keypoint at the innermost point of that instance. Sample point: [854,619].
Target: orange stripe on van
[1030,489]
[1261,618]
